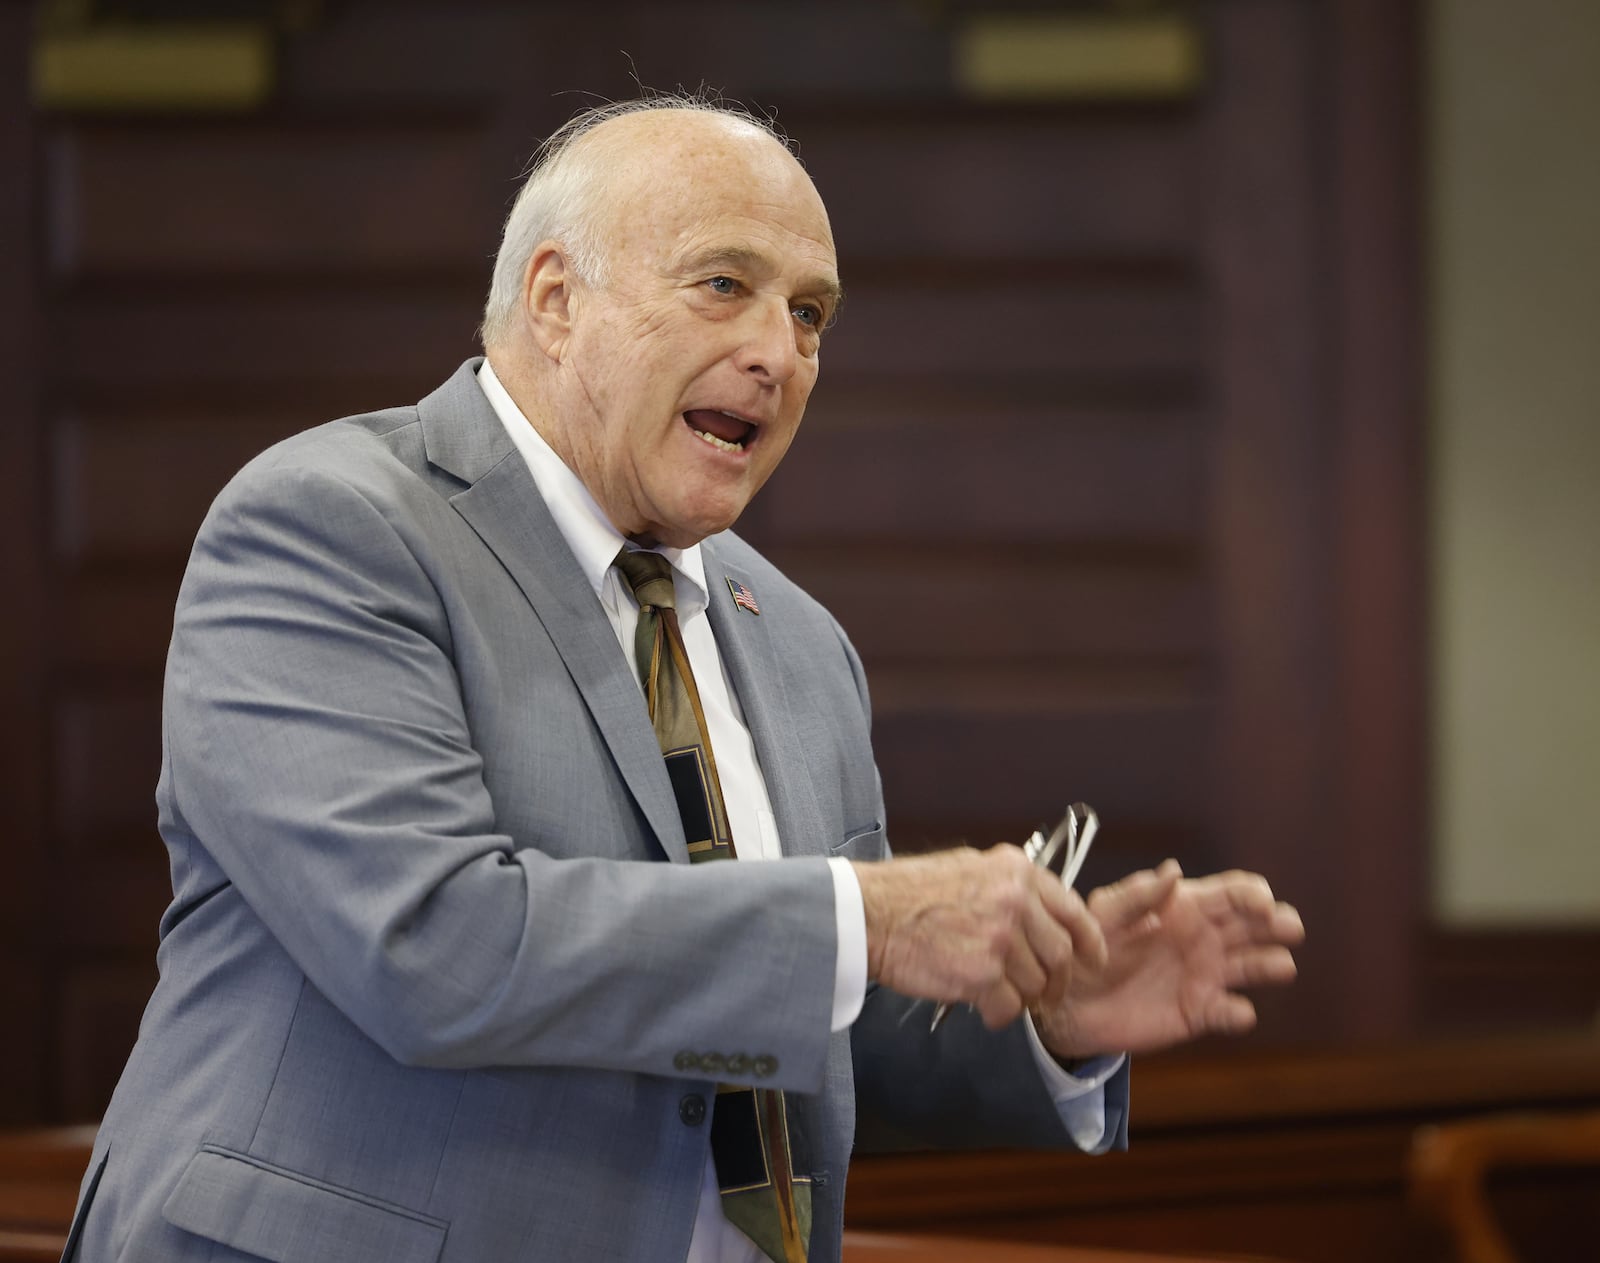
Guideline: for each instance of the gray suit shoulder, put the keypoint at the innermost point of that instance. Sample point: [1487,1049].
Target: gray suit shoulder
[378,456]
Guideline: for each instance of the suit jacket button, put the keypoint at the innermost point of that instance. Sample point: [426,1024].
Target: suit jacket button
[692,1110]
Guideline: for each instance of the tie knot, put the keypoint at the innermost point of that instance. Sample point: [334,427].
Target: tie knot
[650,577]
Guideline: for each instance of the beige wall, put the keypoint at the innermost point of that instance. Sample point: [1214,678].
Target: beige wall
[1515,231]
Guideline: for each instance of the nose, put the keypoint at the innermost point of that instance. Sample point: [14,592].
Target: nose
[768,350]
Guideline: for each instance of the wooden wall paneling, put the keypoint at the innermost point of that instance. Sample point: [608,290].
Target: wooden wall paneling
[107,756]
[40,1171]
[24,896]
[948,460]
[117,623]
[133,485]
[767,55]
[106,851]
[266,197]
[1295,1155]
[1378,475]
[1008,608]
[998,187]
[115,339]
[101,1003]
[979,776]
[373,58]
[949,318]
[1272,789]
[1509,979]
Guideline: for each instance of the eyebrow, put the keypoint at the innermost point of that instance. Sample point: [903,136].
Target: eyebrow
[746,259]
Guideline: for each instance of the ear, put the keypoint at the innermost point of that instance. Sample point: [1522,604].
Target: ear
[548,300]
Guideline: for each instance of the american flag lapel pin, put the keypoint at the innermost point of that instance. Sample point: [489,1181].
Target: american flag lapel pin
[742,596]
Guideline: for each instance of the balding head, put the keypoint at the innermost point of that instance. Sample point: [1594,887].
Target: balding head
[600,161]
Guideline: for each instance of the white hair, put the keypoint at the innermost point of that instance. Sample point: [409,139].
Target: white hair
[564,195]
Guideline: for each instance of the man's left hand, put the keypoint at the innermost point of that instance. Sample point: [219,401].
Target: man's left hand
[1178,951]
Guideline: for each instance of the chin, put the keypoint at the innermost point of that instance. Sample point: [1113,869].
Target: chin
[694,523]
[683,533]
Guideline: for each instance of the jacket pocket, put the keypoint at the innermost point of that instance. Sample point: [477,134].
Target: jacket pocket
[862,844]
[287,1217]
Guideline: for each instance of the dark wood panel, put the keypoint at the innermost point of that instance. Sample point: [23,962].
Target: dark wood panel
[135,488]
[1297,1154]
[40,1171]
[994,472]
[766,55]
[1380,495]
[23,982]
[101,1005]
[1128,761]
[117,901]
[1131,406]
[1034,688]
[1036,189]
[1277,773]
[371,57]
[558,56]
[24,631]
[405,338]
[1476,980]
[107,746]
[117,623]
[956,324]
[1126,842]
[165,198]
[1007,607]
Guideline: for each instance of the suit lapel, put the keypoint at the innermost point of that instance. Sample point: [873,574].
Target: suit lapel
[464,437]
[746,645]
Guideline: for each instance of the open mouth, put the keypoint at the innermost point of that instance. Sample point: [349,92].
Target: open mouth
[720,429]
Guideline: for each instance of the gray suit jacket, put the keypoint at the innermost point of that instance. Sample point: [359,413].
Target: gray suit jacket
[437,980]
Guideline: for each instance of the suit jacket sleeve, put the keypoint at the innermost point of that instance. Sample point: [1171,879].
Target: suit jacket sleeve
[321,755]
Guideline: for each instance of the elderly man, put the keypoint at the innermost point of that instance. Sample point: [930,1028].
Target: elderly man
[458,695]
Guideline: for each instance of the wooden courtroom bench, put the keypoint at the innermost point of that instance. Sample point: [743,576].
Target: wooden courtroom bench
[1452,1165]
[1298,1154]
[1291,1155]
[40,1169]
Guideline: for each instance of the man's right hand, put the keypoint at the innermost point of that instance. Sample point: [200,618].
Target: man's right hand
[986,928]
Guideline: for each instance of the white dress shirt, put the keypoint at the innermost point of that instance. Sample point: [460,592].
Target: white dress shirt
[595,542]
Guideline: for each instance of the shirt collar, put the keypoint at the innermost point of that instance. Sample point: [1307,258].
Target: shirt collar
[594,541]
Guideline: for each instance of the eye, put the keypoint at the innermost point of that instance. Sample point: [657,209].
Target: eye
[723,285]
[808,315]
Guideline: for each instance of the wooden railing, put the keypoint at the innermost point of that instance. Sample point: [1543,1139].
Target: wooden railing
[1298,1155]
[1294,1155]
[40,1170]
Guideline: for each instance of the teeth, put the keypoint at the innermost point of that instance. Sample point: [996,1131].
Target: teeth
[716,442]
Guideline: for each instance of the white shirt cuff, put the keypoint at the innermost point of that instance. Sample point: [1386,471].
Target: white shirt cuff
[1079,1098]
[850,964]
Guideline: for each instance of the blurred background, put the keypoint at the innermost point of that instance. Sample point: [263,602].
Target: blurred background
[1237,360]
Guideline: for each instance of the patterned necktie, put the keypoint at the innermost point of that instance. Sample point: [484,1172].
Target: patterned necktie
[749,1128]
